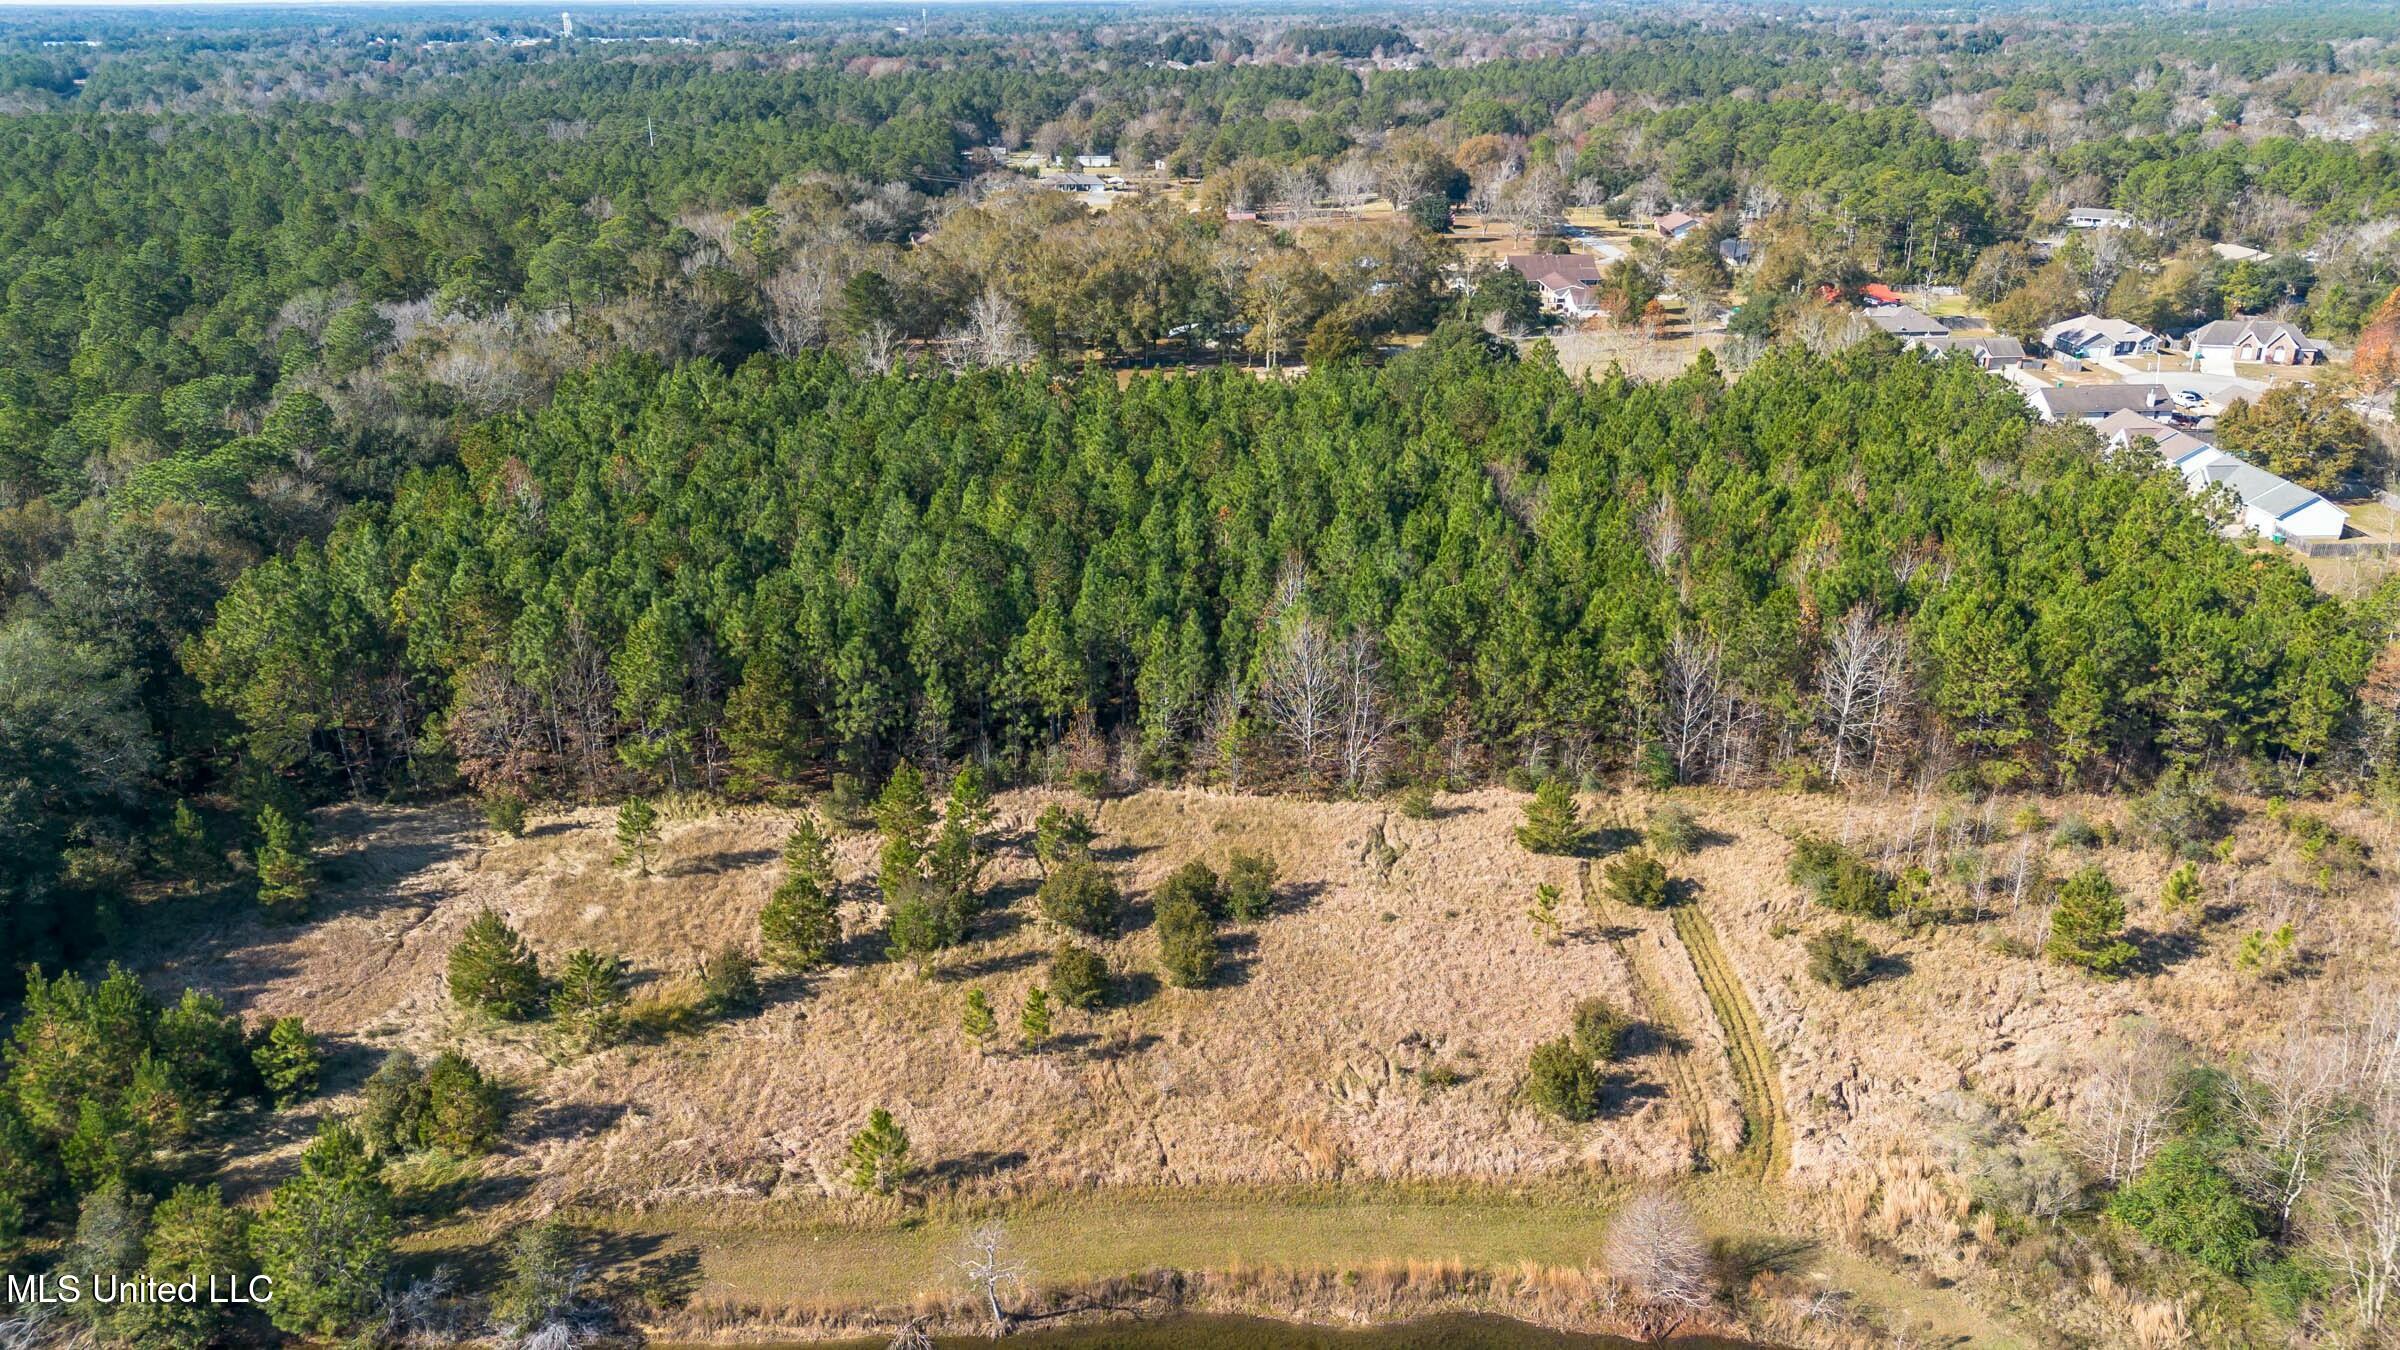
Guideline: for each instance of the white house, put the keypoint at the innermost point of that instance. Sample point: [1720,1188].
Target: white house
[2217,346]
[1099,161]
[2095,402]
[2088,335]
[2097,218]
[1988,353]
[1675,224]
[2274,508]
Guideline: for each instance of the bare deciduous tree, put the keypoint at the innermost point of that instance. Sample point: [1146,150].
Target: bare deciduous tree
[989,1270]
[2122,1115]
[1299,686]
[1366,721]
[798,299]
[992,337]
[877,349]
[1862,668]
[2358,1210]
[1694,706]
[2292,1095]
[1655,1249]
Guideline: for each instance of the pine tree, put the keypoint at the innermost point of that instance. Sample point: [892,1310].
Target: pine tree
[978,1020]
[1544,912]
[1034,1018]
[493,971]
[504,811]
[637,834]
[2181,898]
[326,1237]
[879,1154]
[1187,943]
[2087,928]
[287,1060]
[729,983]
[1061,835]
[186,848]
[286,878]
[800,925]
[1551,824]
[904,814]
[460,1109]
[587,1004]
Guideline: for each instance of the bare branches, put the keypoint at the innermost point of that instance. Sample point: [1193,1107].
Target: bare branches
[1862,681]
[988,1270]
[2123,1114]
[1655,1249]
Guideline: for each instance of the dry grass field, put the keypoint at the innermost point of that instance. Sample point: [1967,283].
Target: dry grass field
[1242,1123]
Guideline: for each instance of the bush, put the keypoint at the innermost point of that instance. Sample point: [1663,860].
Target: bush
[1249,886]
[1839,879]
[287,1061]
[1639,880]
[2087,927]
[1187,943]
[978,1020]
[1193,883]
[391,1105]
[2181,812]
[460,1110]
[1839,958]
[729,983]
[541,1281]
[846,800]
[1033,1019]
[1551,823]
[1416,801]
[194,1237]
[588,1003]
[1560,1080]
[1600,1030]
[493,971]
[203,1047]
[29,1176]
[2075,832]
[1672,830]
[2183,1201]
[1080,896]
[326,1237]
[1061,835]
[504,811]
[1079,976]
[2181,898]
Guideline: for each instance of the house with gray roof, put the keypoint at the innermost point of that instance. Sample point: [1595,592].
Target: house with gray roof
[2273,507]
[2256,341]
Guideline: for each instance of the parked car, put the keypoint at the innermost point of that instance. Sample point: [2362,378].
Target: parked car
[2189,398]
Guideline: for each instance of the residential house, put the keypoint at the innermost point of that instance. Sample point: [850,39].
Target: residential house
[2239,253]
[1083,185]
[1675,225]
[1904,323]
[1993,354]
[1099,161]
[2255,341]
[1735,252]
[2274,507]
[1565,280]
[2093,402]
[2088,335]
[2097,218]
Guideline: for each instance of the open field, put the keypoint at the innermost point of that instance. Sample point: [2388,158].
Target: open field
[1283,1119]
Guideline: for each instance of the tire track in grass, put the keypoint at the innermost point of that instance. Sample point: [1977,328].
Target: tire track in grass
[1653,1005]
[1766,1149]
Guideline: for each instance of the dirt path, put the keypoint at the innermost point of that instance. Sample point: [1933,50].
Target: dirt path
[1766,1149]
[1684,1086]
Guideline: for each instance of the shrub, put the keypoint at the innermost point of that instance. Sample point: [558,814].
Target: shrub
[846,800]
[2183,1201]
[1551,823]
[1600,1030]
[1839,958]
[194,1237]
[1416,801]
[879,1154]
[637,833]
[287,1061]
[1672,830]
[1079,976]
[2087,926]
[1249,886]
[29,1176]
[2181,812]
[2075,832]
[1079,895]
[286,876]
[540,1283]
[493,971]
[2181,897]
[1544,912]
[917,928]
[460,1109]
[799,924]
[1195,883]
[1839,879]
[504,811]
[1187,943]
[1560,1080]
[729,983]
[2028,820]
[1639,880]
[391,1104]
[1061,835]
[588,1003]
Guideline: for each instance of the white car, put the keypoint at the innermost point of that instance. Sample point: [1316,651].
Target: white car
[2189,398]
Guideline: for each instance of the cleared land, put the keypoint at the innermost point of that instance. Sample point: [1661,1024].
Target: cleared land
[1286,1118]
